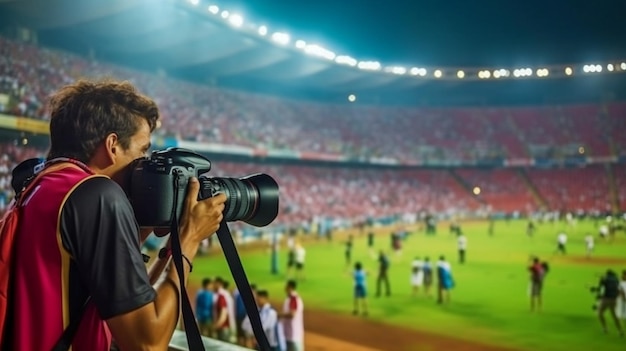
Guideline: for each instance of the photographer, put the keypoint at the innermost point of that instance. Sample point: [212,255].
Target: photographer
[608,292]
[79,238]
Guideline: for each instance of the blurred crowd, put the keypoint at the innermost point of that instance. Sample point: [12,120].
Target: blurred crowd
[206,114]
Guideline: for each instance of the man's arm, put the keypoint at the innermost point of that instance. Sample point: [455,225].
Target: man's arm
[103,236]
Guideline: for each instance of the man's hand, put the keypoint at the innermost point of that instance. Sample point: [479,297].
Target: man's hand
[200,218]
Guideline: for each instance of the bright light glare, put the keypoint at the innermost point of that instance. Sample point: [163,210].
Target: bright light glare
[281,38]
[214,9]
[236,20]
[225,14]
[317,50]
[460,74]
[623,66]
[300,44]
[194,2]
[438,73]
[369,65]
[476,190]
[610,67]
[346,60]
[352,98]
[568,71]
[262,30]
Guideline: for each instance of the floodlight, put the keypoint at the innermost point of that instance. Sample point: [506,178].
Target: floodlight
[460,74]
[281,38]
[346,60]
[300,44]
[262,30]
[214,9]
[236,20]
[568,71]
[438,73]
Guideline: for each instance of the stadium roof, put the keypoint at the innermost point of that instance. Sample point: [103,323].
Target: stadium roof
[183,39]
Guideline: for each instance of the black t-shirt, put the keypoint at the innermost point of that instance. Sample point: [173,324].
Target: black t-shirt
[99,230]
[609,287]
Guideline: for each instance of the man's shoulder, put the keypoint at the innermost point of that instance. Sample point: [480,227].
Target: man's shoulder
[99,188]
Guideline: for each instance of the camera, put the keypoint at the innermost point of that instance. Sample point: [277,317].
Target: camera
[158,185]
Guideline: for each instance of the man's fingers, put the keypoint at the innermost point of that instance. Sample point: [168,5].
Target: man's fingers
[193,187]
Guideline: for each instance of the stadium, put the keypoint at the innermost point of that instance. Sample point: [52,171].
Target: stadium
[507,144]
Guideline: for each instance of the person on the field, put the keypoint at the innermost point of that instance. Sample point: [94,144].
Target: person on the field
[537,274]
[561,241]
[462,245]
[609,288]
[445,282]
[360,289]
[348,253]
[589,244]
[383,277]
[417,275]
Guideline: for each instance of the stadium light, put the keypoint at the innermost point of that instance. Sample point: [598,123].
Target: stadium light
[484,74]
[263,30]
[319,51]
[281,38]
[194,2]
[623,66]
[346,60]
[460,74]
[438,73]
[352,98]
[522,72]
[476,190]
[369,65]
[225,14]
[236,20]
[543,72]
[416,71]
[610,67]
[300,44]
[568,71]
[214,9]
[396,70]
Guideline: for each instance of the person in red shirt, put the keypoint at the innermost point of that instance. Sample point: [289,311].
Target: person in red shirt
[221,313]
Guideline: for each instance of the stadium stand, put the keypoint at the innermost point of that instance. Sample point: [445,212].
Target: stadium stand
[573,189]
[502,189]
[205,114]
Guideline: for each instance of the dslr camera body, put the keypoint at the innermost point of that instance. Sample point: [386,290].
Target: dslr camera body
[158,185]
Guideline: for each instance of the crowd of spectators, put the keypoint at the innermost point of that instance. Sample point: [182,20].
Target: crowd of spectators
[207,114]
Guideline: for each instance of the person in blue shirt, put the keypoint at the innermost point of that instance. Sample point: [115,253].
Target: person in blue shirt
[360,289]
[204,308]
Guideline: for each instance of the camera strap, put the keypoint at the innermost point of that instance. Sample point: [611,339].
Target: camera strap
[194,339]
[236,268]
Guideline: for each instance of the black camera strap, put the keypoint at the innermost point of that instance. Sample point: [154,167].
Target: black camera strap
[236,268]
[194,339]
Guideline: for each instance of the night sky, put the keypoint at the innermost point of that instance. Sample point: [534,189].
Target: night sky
[453,32]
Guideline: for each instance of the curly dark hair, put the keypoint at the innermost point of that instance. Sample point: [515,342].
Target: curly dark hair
[84,113]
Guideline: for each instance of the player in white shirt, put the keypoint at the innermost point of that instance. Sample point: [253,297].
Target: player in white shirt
[604,231]
[589,244]
[620,309]
[417,275]
[462,245]
[561,241]
[300,256]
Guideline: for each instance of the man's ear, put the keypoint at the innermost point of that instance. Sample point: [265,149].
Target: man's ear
[111,146]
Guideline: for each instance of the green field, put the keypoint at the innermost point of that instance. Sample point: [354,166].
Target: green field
[490,301]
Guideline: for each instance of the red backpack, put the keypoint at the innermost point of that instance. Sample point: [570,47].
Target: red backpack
[9,226]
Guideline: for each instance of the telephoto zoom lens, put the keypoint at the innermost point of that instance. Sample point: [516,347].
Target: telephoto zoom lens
[252,199]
